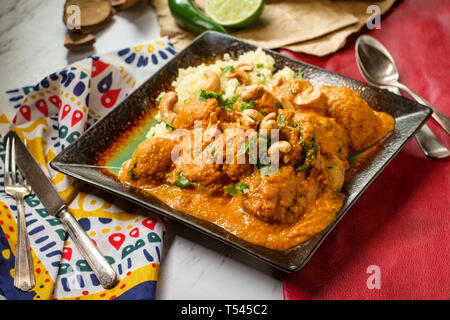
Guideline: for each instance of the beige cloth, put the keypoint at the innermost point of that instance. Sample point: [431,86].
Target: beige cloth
[317,27]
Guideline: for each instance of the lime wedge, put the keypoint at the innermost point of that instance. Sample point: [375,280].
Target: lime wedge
[234,13]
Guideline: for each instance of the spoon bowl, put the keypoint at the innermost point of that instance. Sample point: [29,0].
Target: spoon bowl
[375,61]
[377,66]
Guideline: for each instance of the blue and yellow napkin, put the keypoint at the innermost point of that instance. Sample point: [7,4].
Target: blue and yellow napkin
[49,116]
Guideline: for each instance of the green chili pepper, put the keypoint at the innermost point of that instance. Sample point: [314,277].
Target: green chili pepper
[190,18]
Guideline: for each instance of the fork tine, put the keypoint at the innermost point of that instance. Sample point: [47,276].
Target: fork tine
[13,162]
[19,174]
[7,156]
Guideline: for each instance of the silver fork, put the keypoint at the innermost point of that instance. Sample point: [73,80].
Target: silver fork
[17,188]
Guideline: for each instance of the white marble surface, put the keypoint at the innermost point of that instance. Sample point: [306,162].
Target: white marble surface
[194,266]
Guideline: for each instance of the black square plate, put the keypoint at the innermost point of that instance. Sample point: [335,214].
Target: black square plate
[78,160]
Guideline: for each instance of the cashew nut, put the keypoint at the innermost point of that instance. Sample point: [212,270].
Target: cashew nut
[251,93]
[278,148]
[213,81]
[246,120]
[278,81]
[245,66]
[239,74]
[311,97]
[166,105]
[269,122]
[252,113]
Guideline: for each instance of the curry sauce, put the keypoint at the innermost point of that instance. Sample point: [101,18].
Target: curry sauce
[279,201]
[227,213]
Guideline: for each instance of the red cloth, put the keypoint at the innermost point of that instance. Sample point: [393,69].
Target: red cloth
[401,223]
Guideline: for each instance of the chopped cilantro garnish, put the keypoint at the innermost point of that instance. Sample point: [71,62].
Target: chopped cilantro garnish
[223,103]
[228,104]
[247,105]
[310,149]
[260,66]
[227,68]
[281,120]
[169,126]
[299,74]
[267,170]
[205,95]
[251,143]
[279,105]
[316,146]
[240,187]
[231,191]
[182,181]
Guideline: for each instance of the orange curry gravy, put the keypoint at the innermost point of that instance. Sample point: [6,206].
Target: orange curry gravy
[319,127]
[226,212]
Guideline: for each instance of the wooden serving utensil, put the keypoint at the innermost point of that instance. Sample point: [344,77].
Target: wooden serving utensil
[78,41]
[92,12]
[123,4]
[95,15]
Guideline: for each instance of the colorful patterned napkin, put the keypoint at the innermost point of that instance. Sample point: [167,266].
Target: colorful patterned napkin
[49,116]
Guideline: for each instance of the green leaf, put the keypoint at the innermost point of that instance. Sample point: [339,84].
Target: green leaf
[242,187]
[316,146]
[247,105]
[267,170]
[260,66]
[263,112]
[203,188]
[299,74]
[228,104]
[231,191]
[310,150]
[279,105]
[205,95]
[297,125]
[281,120]
[250,142]
[169,127]
[227,68]
[182,181]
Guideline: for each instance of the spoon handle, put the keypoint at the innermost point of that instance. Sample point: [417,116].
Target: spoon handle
[441,118]
[428,142]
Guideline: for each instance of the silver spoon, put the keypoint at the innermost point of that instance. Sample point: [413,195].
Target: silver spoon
[381,69]
[378,67]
